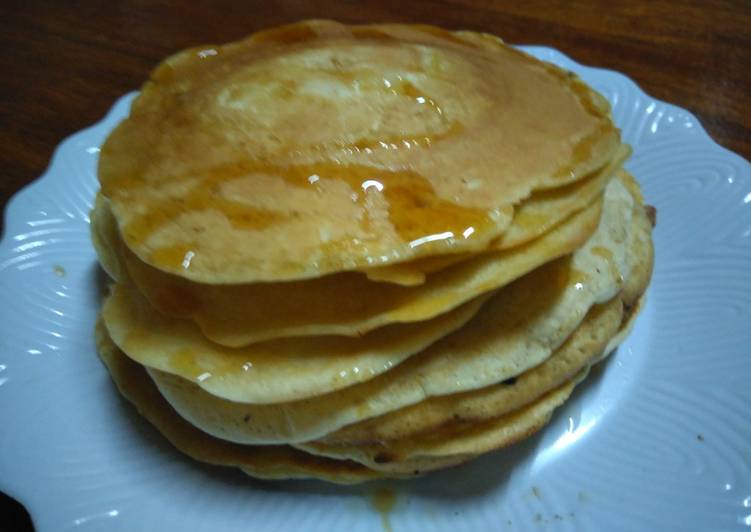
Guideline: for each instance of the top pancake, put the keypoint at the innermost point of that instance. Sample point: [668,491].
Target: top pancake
[319,147]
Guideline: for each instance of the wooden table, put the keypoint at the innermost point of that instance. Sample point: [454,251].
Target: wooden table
[64,63]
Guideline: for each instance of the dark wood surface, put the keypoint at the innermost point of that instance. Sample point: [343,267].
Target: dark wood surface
[64,63]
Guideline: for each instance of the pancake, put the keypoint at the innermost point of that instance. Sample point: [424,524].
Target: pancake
[517,329]
[415,272]
[281,462]
[463,438]
[269,462]
[535,216]
[105,238]
[630,315]
[532,218]
[448,444]
[599,335]
[281,370]
[360,252]
[641,235]
[465,411]
[318,148]
[545,209]
[347,303]
[586,343]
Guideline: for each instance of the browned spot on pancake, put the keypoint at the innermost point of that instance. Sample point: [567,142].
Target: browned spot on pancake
[651,213]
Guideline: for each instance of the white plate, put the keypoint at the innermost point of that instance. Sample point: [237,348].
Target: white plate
[658,439]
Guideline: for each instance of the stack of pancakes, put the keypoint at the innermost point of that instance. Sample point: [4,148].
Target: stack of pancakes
[354,252]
